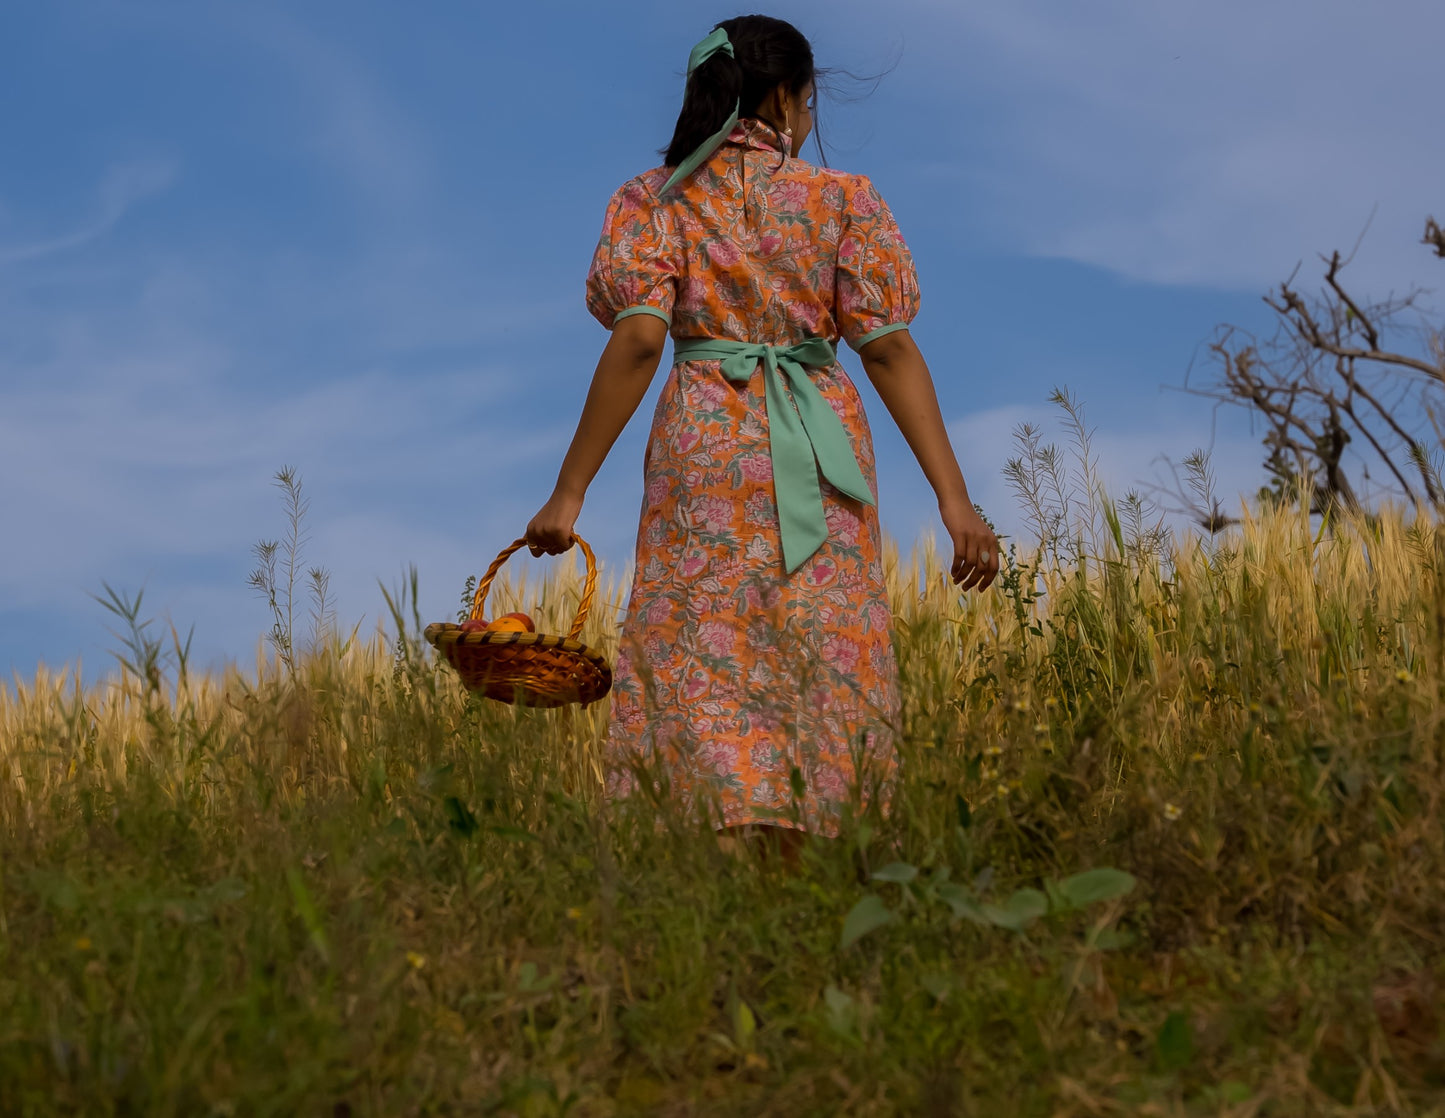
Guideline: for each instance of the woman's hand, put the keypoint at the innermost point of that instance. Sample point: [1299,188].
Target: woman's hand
[550,531]
[975,547]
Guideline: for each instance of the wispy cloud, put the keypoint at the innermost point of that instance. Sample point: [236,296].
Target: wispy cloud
[1213,144]
[123,186]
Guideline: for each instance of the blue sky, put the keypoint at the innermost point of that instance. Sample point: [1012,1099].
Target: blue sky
[351,238]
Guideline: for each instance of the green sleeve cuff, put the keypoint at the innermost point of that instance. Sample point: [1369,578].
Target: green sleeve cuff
[630,311]
[878,333]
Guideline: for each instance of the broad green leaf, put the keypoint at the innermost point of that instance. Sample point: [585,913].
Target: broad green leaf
[1019,911]
[1096,885]
[867,915]
[1175,1043]
[900,873]
[962,902]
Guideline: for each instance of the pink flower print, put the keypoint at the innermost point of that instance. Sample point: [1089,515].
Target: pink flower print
[693,564]
[695,686]
[727,571]
[710,394]
[878,617]
[659,610]
[841,653]
[789,196]
[756,467]
[723,252]
[719,756]
[693,295]
[687,438]
[767,721]
[821,573]
[828,784]
[848,249]
[692,479]
[866,202]
[769,242]
[716,638]
[842,525]
[656,489]
[714,514]
[833,195]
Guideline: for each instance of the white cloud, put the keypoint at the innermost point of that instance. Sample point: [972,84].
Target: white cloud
[1213,144]
[123,186]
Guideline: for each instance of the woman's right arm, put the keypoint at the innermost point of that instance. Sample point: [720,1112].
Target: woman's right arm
[624,371]
[900,375]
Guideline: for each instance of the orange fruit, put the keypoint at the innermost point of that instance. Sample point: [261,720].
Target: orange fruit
[508,624]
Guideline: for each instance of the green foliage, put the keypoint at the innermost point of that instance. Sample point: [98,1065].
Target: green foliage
[1166,839]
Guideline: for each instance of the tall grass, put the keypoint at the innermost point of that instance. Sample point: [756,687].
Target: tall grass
[352,888]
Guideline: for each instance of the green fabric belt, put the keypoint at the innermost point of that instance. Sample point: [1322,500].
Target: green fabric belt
[806,440]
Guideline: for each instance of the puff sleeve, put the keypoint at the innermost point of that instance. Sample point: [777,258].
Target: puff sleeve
[875,284]
[636,266]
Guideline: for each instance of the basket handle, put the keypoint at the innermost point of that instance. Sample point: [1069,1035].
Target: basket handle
[589,587]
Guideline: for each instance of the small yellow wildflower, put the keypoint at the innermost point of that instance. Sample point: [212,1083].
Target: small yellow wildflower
[1404,676]
[1196,756]
[1041,727]
[993,751]
[415,960]
[1051,702]
[1020,706]
[574,913]
[82,943]
[1172,812]
[1002,790]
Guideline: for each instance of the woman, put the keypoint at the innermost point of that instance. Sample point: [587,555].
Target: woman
[756,677]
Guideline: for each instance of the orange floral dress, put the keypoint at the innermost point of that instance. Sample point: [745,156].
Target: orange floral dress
[768,696]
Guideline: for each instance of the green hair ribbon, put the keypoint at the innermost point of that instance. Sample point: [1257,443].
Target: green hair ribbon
[716,43]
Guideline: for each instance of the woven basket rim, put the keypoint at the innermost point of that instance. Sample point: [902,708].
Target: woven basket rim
[449,632]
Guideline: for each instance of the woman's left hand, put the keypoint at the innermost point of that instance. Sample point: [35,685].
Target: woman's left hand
[550,531]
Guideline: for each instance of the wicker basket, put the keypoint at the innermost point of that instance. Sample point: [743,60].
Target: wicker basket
[534,669]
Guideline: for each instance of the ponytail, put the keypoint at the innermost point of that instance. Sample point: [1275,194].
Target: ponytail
[711,96]
[766,53]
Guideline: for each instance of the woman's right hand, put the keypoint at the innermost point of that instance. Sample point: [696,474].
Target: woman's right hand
[550,531]
[975,547]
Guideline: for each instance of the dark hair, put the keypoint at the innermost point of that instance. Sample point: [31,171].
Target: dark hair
[767,53]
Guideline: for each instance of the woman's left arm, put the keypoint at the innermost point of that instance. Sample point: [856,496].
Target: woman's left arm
[624,371]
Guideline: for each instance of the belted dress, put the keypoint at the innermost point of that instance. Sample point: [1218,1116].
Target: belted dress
[755,679]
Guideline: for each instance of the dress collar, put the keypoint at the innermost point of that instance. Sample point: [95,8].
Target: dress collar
[757,134]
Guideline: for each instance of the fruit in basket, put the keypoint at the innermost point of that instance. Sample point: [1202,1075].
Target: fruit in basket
[475,625]
[512,623]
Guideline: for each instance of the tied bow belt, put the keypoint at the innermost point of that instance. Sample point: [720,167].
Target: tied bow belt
[806,436]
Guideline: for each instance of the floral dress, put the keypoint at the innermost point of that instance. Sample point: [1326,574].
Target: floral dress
[772,696]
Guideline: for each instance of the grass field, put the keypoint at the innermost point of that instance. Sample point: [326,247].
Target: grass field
[350,889]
